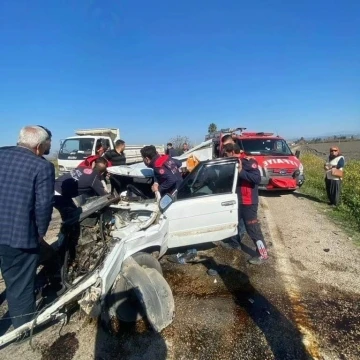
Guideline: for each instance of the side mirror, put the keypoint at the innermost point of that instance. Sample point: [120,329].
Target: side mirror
[165,202]
[297,153]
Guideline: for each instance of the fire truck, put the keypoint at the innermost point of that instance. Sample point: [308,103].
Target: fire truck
[280,169]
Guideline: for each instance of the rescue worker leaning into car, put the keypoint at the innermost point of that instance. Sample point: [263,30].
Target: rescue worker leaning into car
[80,181]
[166,170]
[248,180]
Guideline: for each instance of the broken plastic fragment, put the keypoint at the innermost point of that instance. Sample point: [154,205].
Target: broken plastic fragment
[183,258]
[212,272]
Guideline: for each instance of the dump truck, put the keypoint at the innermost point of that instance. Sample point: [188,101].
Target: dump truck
[74,149]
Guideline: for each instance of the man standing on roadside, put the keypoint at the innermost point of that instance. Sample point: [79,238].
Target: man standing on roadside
[333,179]
[48,143]
[185,148]
[170,150]
[116,156]
[27,204]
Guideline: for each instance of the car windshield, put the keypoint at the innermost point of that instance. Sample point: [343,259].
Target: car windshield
[77,146]
[265,146]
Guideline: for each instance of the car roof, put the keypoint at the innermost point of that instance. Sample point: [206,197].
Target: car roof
[223,160]
[263,137]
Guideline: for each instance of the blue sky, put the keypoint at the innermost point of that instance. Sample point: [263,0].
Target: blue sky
[161,68]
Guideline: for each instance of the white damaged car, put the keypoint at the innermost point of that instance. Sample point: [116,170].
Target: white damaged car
[110,249]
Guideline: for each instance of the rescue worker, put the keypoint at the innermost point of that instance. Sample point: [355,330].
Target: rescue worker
[333,177]
[100,151]
[80,181]
[248,180]
[116,156]
[227,139]
[166,170]
[234,241]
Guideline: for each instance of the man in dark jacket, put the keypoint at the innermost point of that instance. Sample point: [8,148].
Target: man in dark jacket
[170,150]
[116,156]
[185,148]
[80,181]
[26,199]
[166,170]
[248,181]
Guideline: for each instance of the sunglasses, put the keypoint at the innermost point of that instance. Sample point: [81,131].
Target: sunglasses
[333,150]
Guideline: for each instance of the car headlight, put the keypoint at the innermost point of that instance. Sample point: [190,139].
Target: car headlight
[296,173]
[61,168]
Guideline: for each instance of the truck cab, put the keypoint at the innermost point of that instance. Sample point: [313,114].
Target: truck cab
[74,149]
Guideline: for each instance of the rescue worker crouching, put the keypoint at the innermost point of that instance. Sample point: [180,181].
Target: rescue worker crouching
[248,180]
[166,170]
[80,181]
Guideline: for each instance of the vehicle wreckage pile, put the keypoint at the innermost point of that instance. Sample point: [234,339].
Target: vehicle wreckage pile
[109,249]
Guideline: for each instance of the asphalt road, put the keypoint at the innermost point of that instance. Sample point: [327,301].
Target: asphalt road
[304,303]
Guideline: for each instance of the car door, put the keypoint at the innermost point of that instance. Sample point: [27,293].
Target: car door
[206,205]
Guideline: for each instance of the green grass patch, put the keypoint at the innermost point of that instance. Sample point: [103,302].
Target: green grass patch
[348,212]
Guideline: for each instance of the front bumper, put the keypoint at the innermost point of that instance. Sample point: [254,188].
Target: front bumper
[277,183]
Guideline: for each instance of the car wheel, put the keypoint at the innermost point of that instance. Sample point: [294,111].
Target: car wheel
[122,302]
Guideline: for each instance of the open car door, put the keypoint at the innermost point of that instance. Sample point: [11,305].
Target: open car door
[206,205]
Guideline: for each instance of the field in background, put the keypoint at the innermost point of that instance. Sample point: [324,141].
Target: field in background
[350,149]
[312,157]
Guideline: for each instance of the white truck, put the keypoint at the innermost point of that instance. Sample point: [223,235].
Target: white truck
[74,149]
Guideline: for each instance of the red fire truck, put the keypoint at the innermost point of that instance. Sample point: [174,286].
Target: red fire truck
[280,169]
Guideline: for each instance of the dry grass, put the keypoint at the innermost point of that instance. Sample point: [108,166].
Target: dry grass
[314,185]
[350,149]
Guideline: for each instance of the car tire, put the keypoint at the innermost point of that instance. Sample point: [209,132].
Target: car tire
[122,303]
[147,261]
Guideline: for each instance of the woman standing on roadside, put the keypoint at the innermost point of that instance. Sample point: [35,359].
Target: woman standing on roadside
[334,174]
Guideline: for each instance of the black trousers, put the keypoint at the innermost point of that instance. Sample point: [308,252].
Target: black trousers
[333,190]
[65,206]
[18,268]
[248,213]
